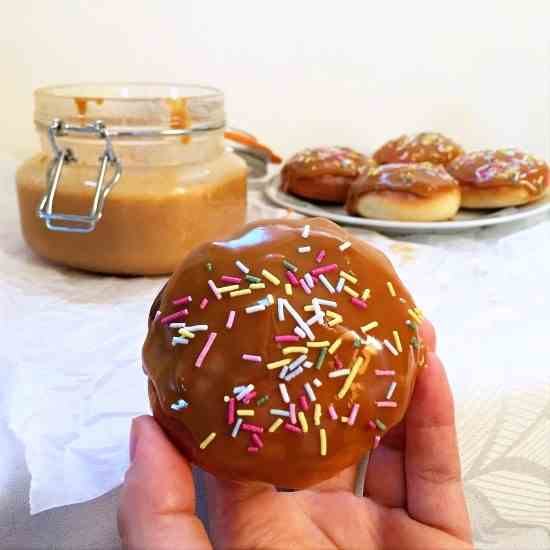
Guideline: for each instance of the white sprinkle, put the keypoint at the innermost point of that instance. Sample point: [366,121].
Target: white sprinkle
[340,285]
[197,328]
[237,427]
[299,332]
[372,341]
[244,392]
[214,289]
[280,309]
[307,364]
[177,325]
[294,374]
[279,412]
[328,303]
[179,340]
[316,319]
[304,249]
[317,383]
[310,392]
[344,246]
[309,280]
[338,373]
[242,267]
[297,362]
[255,308]
[301,323]
[305,232]
[284,393]
[283,372]
[326,283]
[391,389]
[390,347]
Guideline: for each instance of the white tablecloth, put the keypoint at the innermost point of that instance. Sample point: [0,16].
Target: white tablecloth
[70,358]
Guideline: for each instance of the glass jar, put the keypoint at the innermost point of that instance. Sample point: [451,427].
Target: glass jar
[131,176]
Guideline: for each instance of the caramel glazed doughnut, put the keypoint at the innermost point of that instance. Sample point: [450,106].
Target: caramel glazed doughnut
[283,354]
[501,178]
[406,192]
[323,174]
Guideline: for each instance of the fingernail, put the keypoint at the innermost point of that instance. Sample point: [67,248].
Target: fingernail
[133,440]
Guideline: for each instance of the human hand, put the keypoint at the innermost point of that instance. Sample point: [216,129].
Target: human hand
[415,495]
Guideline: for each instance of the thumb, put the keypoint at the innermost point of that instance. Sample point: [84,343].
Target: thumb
[157,501]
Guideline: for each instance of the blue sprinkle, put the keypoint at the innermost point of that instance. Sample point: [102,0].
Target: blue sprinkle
[179,405]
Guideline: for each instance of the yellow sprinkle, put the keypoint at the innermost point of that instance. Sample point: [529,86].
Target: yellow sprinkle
[256,286]
[270,299]
[344,419]
[309,308]
[278,364]
[288,289]
[351,376]
[303,421]
[226,398]
[397,341]
[336,321]
[366,294]
[186,333]
[415,316]
[348,277]
[391,289]
[420,313]
[270,277]
[335,345]
[294,349]
[323,440]
[331,314]
[351,292]
[207,441]
[317,414]
[275,426]
[228,288]
[369,326]
[242,292]
[245,412]
[323,344]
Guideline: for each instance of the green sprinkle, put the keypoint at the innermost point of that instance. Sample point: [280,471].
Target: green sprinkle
[290,266]
[411,324]
[321,358]
[253,279]
[262,400]
[380,424]
[415,343]
[209,266]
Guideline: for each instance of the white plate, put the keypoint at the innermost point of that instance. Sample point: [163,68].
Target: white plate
[464,220]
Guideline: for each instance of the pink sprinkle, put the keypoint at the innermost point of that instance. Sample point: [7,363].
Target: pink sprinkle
[303,284]
[324,269]
[252,449]
[292,410]
[292,428]
[291,278]
[205,349]
[319,258]
[231,411]
[173,316]
[252,428]
[372,425]
[384,372]
[257,440]
[303,403]
[204,303]
[255,358]
[339,363]
[332,412]
[248,397]
[157,315]
[231,279]
[214,289]
[359,303]
[287,338]
[376,441]
[182,301]
[353,415]
[230,319]
[391,404]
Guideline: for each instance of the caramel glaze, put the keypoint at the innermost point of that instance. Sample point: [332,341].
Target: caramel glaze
[287,459]
[501,168]
[81,103]
[423,147]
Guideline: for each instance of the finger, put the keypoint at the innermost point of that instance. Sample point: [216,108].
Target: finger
[157,501]
[427,333]
[435,494]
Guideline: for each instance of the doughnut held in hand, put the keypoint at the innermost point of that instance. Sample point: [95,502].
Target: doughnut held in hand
[283,354]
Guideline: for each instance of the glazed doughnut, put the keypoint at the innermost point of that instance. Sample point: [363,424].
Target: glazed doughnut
[323,174]
[405,192]
[283,354]
[501,178]
[423,147]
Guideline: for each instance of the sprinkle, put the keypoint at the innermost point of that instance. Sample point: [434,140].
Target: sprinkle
[340,284]
[255,308]
[231,411]
[275,426]
[309,307]
[197,328]
[338,373]
[226,398]
[309,280]
[179,405]
[283,373]
[359,303]
[237,427]
[296,316]
[323,441]
[339,363]
[288,289]
[324,269]
[304,286]
[292,279]
[294,374]
[270,277]
[284,393]
[344,419]
[278,364]
[209,266]
[282,338]
[252,428]
[373,342]
[333,314]
[270,300]
[230,319]
[348,277]
[390,404]
[256,286]
[176,315]
[182,301]
[279,412]
[384,372]
[242,393]
[332,412]
[186,333]
[391,289]
[297,362]
[323,344]
[376,441]
[320,256]
[242,292]
[205,349]
[249,397]
[310,393]
[305,232]
[294,349]
[344,246]
[390,347]
[353,415]
[303,403]
[257,440]
[321,358]
[157,315]
[253,449]
[317,383]
[252,279]
[397,341]
[177,325]
[214,289]
[292,412]
[290,266]
[304,249]
[242,267]
[231,279]
[372,425]
[207,440]
[292,428]
[255,358]
[369,326]
[335,345]
[179,340]
[366,294]
[328,303]
[229,288]
[351,292]
[351,376]
[299,332]
[317,414]
[245,412]
[326,283]
[380,424]
[415,316]
[316,319]
[303,421]
[262,400]
[204,303]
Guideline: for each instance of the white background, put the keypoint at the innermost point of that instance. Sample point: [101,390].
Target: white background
[299,73]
